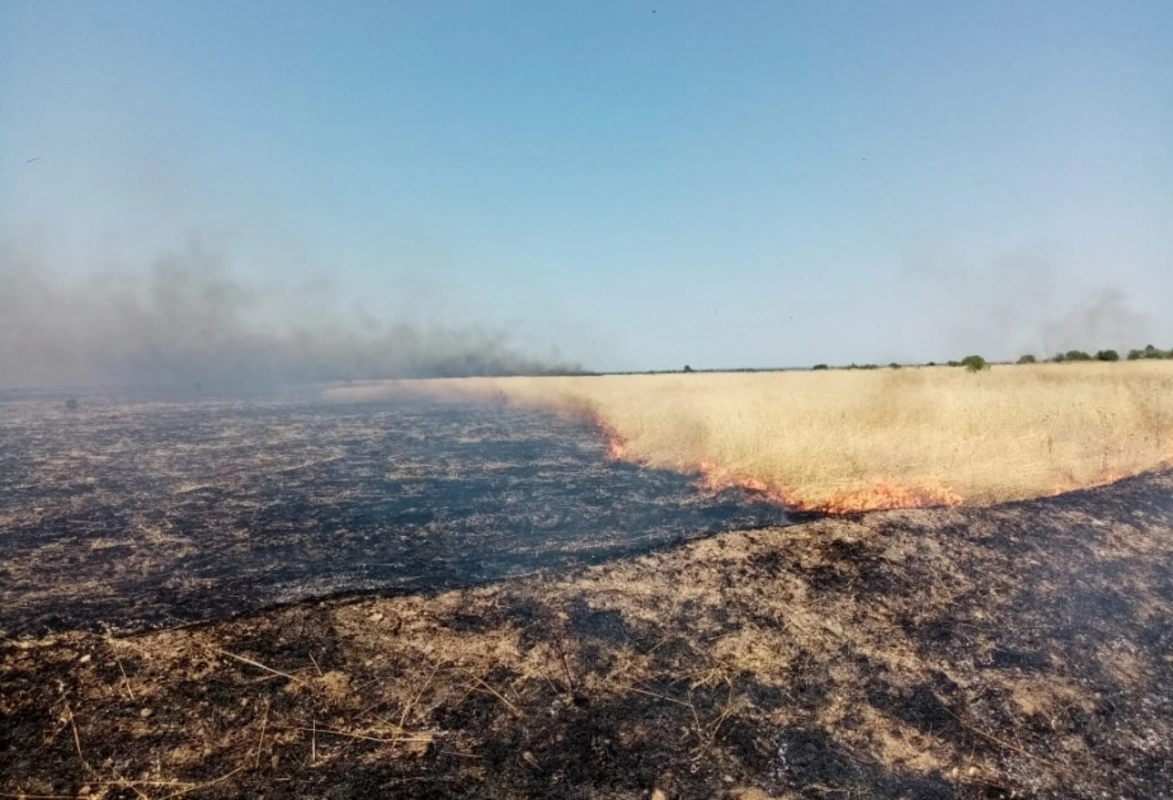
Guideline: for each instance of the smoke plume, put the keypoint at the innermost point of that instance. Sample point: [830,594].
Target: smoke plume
[184,323]
[1102,319]
[1027,304]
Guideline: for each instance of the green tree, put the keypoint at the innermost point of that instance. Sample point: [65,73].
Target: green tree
[974,363]
[820,366]
[1076,355]
[1107,355]
[1027,359]
[687,368]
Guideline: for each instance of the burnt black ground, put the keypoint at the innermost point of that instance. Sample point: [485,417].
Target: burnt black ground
[137,515]
[1018,651]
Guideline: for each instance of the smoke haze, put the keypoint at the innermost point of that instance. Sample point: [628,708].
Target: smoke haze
[1102,319]
[1027,304]
[184,322]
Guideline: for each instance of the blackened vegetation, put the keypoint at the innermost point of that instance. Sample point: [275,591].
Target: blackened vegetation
[145,515]
[971,654]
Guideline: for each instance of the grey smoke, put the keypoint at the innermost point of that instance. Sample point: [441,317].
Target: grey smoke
[1102,319]
[1027,304]
[184,322]
[1099,318]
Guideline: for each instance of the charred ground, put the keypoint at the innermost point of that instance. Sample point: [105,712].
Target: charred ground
[129,515]
[1019,651]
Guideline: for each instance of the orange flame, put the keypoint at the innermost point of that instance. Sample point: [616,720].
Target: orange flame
[714,479]
[880,494]
[616,447]
[889,494]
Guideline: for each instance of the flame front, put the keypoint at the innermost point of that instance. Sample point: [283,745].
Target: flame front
[890,494]
[879,494]
[616,447]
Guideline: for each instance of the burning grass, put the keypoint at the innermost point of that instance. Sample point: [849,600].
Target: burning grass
[859,440]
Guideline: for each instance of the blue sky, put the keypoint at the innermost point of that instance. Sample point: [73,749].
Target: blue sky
[636,185]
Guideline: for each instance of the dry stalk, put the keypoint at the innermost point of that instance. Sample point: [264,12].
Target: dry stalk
[997,741]
[396,738]
[76,737]
[407,709]
[261,739]
[710,735]
[661,643]
[663,697]
[118,660]
[566,666]
[557,643]
[700,731]
[139,792]
[514,709]
[125,680]
[200,786]
[254,663]
[123,783]
[52,737]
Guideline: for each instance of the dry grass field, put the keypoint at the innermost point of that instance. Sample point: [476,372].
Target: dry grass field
[858,440]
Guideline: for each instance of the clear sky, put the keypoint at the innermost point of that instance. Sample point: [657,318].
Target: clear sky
[636,184]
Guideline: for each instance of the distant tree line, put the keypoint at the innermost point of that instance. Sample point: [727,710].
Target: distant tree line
[1148,352]
[976,363]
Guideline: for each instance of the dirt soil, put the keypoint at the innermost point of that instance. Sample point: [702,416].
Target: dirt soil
[1018,651]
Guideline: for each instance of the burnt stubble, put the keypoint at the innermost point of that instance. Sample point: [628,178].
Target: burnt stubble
[135,515]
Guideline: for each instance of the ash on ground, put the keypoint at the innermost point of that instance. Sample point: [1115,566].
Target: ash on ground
[1024,651]
[148,514]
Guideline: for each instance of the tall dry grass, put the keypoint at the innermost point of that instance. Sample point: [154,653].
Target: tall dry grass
[866,439]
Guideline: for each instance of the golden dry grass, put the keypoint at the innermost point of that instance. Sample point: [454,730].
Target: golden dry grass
[866,439]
